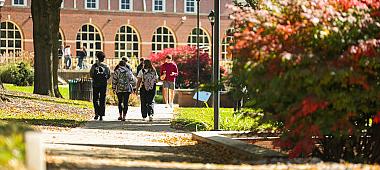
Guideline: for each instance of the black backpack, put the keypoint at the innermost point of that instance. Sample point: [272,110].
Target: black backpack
[100,75]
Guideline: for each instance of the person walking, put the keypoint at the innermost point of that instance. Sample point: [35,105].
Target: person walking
[100,73]
[140,66]
[67,56]
[82,53]
[147,79]
[126,61]
[168,72]
[122,85]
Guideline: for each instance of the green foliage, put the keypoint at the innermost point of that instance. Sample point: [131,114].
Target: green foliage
[203,119]
[111,98]
[20,74]
[12,155]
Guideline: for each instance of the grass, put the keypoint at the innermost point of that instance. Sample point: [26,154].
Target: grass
[64,90]
[193,119]
[12,155]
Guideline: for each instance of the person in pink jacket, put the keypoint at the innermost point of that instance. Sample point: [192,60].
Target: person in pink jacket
[169,73]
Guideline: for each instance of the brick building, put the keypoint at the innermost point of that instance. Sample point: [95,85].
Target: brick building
[117,27]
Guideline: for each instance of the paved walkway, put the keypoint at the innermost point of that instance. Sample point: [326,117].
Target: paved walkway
[133,144]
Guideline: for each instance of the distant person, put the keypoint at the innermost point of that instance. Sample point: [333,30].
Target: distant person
[82,54]
[140,66]
[67,56]
[168,72]
[146,81]
[122,85]
[99,73]
[60,54]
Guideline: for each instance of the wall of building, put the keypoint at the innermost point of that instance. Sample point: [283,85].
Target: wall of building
[109,21]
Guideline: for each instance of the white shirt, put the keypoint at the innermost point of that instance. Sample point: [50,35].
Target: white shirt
[67,51]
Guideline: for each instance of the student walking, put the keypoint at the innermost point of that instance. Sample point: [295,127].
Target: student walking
[122,85]
[67,56]
[99,73]
[140,66]
[169,73]
[147,79]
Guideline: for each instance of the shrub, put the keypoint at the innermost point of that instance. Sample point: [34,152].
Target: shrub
[111,98]
[186,59]
[314,67]
[20,74]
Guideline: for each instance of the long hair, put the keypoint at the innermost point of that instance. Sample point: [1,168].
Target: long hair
[148,65]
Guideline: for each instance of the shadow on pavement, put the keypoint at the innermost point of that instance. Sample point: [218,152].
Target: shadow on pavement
[185,154]
[157,125]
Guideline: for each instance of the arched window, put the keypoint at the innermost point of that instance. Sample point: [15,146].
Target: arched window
[11,38]
[162,38]
[204,40]
[227,40]
[127,42]
[90,37]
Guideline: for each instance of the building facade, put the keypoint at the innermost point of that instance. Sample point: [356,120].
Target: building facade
[118,27]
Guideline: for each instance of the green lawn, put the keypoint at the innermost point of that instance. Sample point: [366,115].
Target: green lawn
[29,89]
[203,119]
[12,155]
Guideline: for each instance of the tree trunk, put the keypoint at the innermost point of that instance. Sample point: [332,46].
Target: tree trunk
[45,14]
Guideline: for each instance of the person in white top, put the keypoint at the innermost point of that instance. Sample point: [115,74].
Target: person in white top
[67,55]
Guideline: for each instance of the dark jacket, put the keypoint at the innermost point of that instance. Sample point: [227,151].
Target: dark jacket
[107,74]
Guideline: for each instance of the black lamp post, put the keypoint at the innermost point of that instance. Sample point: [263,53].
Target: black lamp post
[197,90]
[216,95]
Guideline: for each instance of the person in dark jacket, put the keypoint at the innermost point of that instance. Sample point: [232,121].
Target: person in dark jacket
[140,66]
[82,53]
[100,73]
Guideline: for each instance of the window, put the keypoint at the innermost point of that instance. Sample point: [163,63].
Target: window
[19,2]
[92,4]
[11,39]
[204,40]
[190,6]
[162,38]
[126,4]
[227,40]
[90,37]
[158,5]
[127,42]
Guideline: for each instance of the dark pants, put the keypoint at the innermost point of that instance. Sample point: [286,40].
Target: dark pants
[67,62]
[123,98]
[147,98]
[99,100]
[80,62]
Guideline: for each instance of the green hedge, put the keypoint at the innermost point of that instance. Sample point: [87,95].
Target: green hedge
[20,74]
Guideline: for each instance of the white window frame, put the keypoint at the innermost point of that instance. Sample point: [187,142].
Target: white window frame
[96,5]
[127,50]
[25,3]
[63,4]
[163,6]
[130,6]
[185,7]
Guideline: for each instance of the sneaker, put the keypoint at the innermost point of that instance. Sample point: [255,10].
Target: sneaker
[171,105]
[143,119]
[96,117]
[123,120]
[120,118]
[150,118]
[100,118]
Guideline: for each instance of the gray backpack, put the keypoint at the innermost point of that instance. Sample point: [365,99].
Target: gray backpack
[149,79]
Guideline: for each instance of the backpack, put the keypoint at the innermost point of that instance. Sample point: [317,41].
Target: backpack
[149,79]
[125,80]
[100,75]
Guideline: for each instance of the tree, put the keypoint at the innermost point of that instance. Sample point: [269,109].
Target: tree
[46,18]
